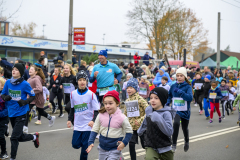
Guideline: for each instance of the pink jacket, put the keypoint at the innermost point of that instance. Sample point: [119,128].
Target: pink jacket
[145,85]
[36,84]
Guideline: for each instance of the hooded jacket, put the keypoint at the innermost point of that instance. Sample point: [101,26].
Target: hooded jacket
[36,83]
[184,92]
[219,94]
[159,128]
[225,88]
[136,58]
[158,78]
[146,57]
[142,106]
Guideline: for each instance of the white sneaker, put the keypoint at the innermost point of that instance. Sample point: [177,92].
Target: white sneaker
[61,115]
[195,104]
[56,109]
[25,129]
[51,122]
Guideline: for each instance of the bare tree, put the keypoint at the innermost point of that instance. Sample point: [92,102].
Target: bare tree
[3,8]
[144,20]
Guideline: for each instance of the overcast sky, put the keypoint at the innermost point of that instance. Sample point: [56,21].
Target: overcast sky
[109,17]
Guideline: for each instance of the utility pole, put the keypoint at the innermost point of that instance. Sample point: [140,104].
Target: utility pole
[43,30]
[218,41]
[69,54]
[103,38]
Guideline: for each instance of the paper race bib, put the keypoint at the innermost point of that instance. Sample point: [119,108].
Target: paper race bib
[179,104]
[143,91]
[103,91]
[132,108]
[68,87]
[89,84]
[224,93]
[80,108]
[15,94]
[213,95]
[198,85]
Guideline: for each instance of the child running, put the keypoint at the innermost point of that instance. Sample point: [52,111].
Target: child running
[84,110]
[4,120]
[144,88]
[112,125]
[135,111]
[214,96]
[231,98]
[14,94]
[234,104]
[158,126]
[181,95]
[164,84]
[205,88]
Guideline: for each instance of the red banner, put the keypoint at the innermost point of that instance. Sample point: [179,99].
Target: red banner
[79,36]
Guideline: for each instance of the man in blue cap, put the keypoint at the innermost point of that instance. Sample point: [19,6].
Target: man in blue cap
[104,74]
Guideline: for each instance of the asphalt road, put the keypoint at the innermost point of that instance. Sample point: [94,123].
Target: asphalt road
[207,141]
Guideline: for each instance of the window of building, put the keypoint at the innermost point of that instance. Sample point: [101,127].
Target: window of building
[51,55]
[13,54]
[27,56]
[2,53]
[2,28]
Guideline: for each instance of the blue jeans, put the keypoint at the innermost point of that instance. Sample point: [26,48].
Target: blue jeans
[80,139]
[206,105]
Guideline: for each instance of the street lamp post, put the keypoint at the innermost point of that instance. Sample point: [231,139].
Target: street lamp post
[103,38]
[69,54]
[43,30]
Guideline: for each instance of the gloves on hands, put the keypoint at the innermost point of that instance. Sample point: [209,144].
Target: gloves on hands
[6,98]
[22,102]
[176,89]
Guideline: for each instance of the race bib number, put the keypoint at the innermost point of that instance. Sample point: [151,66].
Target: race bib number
[198,85]
[80,108]
[132,108]
[15,94]
[143,91]
[89,84]
[213,95]
[103,91]
[179,104]
[68,87]
[224,93]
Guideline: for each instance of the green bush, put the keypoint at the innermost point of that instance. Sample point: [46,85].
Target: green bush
[93,57]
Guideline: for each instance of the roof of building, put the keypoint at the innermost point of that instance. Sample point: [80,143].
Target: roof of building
[234,54]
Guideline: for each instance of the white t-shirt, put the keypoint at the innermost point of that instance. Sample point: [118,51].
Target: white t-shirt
[231,96]
[84,106]
[167,87]
[45,92]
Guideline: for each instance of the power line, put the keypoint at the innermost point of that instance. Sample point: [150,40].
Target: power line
[230,4]
[236,1]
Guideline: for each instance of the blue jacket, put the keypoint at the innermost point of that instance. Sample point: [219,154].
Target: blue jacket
[146,57]
[219,80]
[158,78]
[219,95]
[184,92]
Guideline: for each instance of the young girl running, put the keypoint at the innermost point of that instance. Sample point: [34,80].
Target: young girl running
[56,90]
[234,104]
[14,94]
[181,95]
[69,84]
[112,125]
[84,110]
[214,96]
[36,81]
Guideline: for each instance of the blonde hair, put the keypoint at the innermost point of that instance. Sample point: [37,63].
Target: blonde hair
[1,70]
[72,72]
[83,62]
[2,80]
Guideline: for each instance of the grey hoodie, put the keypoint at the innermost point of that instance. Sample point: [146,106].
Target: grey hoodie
[163,118]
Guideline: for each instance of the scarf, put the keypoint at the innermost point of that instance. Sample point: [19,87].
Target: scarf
[213,89]
[16,81]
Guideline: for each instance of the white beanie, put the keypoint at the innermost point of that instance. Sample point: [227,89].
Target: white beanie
[174,76]
[143,66]
[144,77]
[130,74]
[183,71]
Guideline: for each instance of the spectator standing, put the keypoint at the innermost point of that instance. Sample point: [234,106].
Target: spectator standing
[136,58]
[146,57]
[60,56]
[207,72]
[74,59]
[42,53]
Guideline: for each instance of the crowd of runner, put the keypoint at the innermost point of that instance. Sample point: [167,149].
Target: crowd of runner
[118,104]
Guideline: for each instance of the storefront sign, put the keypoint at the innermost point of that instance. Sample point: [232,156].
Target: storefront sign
[79,36]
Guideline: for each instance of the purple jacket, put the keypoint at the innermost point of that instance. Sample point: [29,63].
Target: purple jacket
[225,88]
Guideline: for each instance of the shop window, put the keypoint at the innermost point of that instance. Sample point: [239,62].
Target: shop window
[13,54]
[27,56]
[2,53]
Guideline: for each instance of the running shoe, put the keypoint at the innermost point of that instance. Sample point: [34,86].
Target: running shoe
[220,120]
[51,122]
[61,115]
[232,112]
[56,109]
[4,156]
[36,142]
[211,121]
[25,129]
[53,110]
[30,117]
[174,147]
[223,117]
[38,122]
[208,118]
[195,104]
[7,131]
[186,146]
[201,112]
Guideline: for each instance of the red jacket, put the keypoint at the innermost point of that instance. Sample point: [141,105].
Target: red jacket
[94,87]
[136,58]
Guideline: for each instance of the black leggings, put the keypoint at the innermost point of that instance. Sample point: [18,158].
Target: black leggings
[199,99]
[66,101]
[44,108]
[59,97]
[176,125]
[40,112]
[133,141]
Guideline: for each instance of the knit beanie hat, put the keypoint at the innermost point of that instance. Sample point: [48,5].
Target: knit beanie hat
[208,77]
[183,71]
[82,74]
[112,93]
[130,74]
[69,61]
[161,93]
[103,52]
[133,82]
[20,67]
